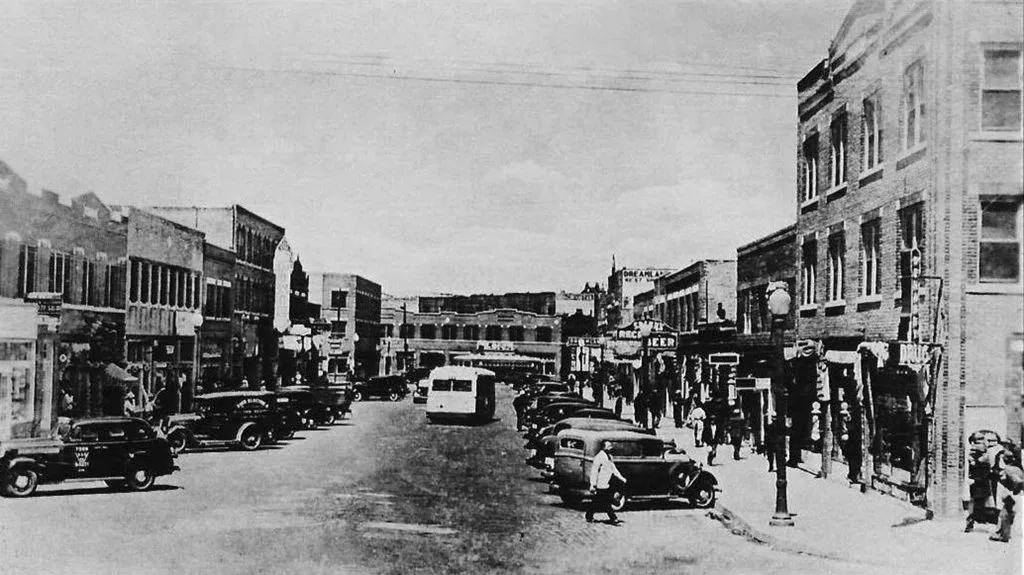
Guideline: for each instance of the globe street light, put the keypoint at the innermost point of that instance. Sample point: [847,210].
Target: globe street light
[779,304]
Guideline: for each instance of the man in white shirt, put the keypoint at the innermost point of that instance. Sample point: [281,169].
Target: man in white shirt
[601,472]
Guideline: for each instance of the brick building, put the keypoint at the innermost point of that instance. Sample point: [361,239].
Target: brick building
[909,233]
[623,285]
[75,254]
[254,240]
[352,305]
[215,339]
[165,293]
[542,303]
[436,339]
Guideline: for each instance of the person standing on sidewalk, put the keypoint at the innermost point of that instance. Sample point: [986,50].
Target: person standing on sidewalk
[697,417]
[602,470]
[677,408]
[1011,478]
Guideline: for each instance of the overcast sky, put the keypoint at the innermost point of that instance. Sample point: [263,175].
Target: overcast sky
[431,146]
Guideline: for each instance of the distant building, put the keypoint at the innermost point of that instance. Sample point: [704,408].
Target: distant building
[541,303]
[585,301]
[352,305]
[623,285]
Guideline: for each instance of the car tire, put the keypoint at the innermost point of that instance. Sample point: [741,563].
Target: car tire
[357,396]
[140,477]
[703,496]
[21,481]
[178,441]
[394,396]
[619,501]
[251,440]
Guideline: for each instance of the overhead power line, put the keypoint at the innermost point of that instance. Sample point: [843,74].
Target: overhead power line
[504,82]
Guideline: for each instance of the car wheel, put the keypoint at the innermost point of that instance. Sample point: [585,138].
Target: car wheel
[618,501]
[116,484]
[21,482]
[357,396]
[251,440]
[331,418]
[703,496]
[393,396]
[178,441]
[140,478]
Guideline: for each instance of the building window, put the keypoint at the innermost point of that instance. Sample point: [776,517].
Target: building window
[60,275]
[1002,84]
[449,331]
[493,333]
[339,328]
[836,266]
[144,282]
[544,334]
[914,127]
[871,250]
[999,247]
[339,299]
[516,333]
[114,288]
[871,132]
[471,332]
[838,143]
[88,283]
[809,274]
[26,270]
[136,270]
[743,319]
[809,167]
[428,331]
[406,331]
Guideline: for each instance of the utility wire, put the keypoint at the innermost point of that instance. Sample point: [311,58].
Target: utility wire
[486,82]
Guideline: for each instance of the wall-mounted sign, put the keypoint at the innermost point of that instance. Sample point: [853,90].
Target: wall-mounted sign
[642,275]
[495,346]
[724,359]
[661,342]
[49,303]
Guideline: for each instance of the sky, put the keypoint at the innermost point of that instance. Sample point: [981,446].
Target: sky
[441,146]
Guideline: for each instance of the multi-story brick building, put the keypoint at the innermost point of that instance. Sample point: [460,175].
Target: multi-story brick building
[436,339]
[254,240]
[73,254]
[909,231]
[165,293]
[352,305]
[215,339]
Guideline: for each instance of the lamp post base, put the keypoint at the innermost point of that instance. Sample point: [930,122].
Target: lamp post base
[780,520]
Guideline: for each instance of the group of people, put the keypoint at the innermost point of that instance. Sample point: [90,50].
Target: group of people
[994,468]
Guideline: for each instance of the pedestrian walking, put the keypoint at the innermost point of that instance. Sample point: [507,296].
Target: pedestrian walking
[640,408]
[602,473]
[677,408]
[654,406]
[737,430]
[981,502]
[1011,479]
[697,417]
[520,403]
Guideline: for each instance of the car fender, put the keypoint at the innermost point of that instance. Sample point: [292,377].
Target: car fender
[176,428]
[245,427]
[10,463]
[706,476]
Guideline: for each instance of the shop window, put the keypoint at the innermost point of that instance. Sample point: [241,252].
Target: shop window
[837,133]
[871,132]
[516,333]
[406,331]
[428,331]
[914,121]
[493,333]
[836,266]
[1002,84]
[449,332]
[871,250]
[999,246]
[544,334]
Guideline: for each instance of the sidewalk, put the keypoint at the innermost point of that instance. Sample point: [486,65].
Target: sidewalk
[836,521]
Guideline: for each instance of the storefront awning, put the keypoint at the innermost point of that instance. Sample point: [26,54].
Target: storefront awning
[118,374]
[843,357]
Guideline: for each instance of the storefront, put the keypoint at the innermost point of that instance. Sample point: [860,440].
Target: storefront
[26,373]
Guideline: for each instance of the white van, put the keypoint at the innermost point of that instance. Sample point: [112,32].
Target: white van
[461,392]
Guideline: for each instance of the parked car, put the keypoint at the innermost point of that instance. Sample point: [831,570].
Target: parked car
[244,419]
[552,412]
[544,446]
[337,400]
[301,400]
[586,413]
[653,468]
[422,391]
[125,452]
[392,387]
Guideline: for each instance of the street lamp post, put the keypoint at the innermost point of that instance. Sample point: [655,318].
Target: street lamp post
[779,304]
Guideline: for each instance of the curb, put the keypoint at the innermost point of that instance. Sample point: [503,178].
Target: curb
[741,527]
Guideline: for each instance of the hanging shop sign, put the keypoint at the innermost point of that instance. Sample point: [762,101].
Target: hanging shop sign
[724,358]
[661,342]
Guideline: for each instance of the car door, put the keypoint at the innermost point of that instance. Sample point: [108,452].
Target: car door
[83,454]
[113,450]
[640,461]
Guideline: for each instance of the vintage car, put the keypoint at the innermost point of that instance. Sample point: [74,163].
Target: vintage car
[337,400]
[653,468]
[244,419]
[422,391]
[545,387]
[305,405]
[538,403]
[544,446]
[552,413]
[416,374]
[125,452]
[586,413]
[392,387]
